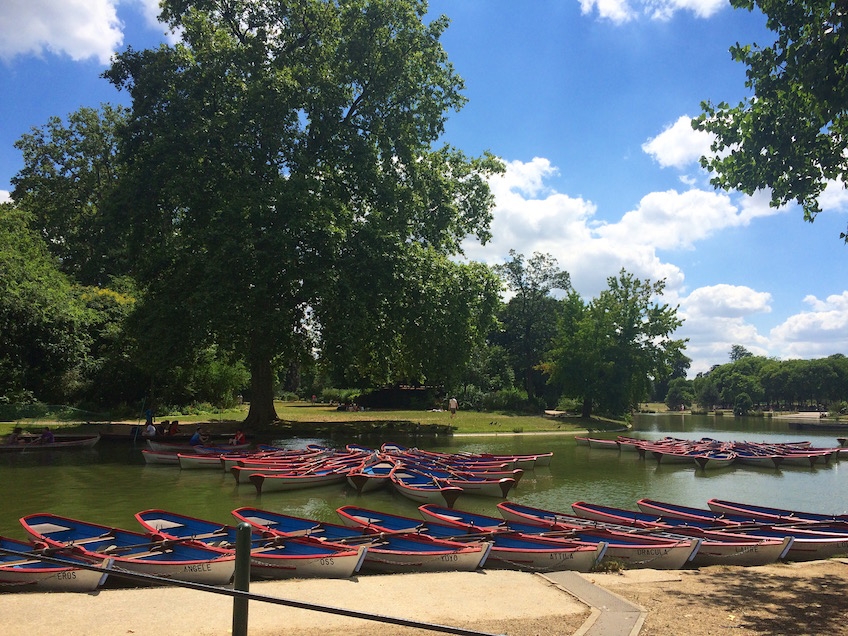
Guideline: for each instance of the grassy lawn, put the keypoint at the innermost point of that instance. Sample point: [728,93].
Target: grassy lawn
[463,422]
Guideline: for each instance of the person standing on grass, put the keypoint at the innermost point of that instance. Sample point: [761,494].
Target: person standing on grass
[453,405]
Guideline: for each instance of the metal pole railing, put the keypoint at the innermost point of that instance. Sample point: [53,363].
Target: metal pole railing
[241,579]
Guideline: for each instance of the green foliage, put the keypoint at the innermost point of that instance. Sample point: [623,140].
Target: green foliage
[509,400]
[70,173]
[488,368]
[278,148]
[737,352]
[339,396]
[607,351]
[42,320]
[404,314]
[706,392]
[528,320]
[790,136]
[743,404]
[568,404]
[680,394]
[785,384]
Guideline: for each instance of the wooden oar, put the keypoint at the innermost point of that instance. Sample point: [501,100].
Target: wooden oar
[4,564]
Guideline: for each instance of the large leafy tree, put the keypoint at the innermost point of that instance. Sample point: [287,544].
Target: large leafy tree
[405,314]
[608,351]
[791,135]
[70,172]
[274,142]
[529,318]
[43,322]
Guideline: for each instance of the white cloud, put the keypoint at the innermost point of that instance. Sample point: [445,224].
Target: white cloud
[834,197]
[679,145]
[619,11]
[716,317]
[674,220]
[5,196]
[150,9]
[817,333]
[531,217]
[616,10]
[727,301]
[80,29]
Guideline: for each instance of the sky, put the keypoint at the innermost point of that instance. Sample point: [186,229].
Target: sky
[588,103]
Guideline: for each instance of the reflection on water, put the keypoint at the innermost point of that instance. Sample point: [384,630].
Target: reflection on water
[110,483]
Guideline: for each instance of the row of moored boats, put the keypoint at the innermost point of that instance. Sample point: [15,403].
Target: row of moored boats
[711,454]
[421,475]
[72,555]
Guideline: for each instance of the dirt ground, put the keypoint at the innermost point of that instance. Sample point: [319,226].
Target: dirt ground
[781,599]
[775,600]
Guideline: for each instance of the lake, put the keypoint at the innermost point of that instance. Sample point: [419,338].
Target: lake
[110,483]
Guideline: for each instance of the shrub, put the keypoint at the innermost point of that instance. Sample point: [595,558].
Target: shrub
[569,405]
[743,404]
[506,400]
[339,396]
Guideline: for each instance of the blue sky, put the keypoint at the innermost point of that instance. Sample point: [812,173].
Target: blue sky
[587,102]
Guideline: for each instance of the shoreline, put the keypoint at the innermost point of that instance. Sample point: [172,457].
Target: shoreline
[804,597]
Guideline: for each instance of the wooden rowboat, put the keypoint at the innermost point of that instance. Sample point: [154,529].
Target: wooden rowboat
[768,513]
[422,488]
[160,457]
[296,481]
[60,442]
[396,553]
[132,551]
[813,539]
[633,550]
[717,547]
[270,557]
[509,550]
[21,569]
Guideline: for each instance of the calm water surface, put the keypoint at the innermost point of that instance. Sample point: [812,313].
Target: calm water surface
[110,483]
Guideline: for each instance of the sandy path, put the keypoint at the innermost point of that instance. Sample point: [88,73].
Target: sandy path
[493,601]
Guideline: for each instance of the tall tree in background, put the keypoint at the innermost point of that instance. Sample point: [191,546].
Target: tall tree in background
[70,173]
[529,317]
[271,144]
[608,351]
[738,352]
[791,136]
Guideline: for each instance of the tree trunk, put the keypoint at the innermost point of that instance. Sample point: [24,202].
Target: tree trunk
[262,410]
[528,383]
[587,408]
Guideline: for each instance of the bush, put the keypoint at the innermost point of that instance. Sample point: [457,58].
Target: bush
[743,404]
[471,400]
[512,400]
[569,405]
[339,396]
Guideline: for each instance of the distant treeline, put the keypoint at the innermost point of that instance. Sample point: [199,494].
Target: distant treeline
[753,382]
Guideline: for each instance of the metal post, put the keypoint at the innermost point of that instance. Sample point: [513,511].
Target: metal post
[241,580]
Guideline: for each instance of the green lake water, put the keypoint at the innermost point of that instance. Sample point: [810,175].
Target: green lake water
[110,483]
